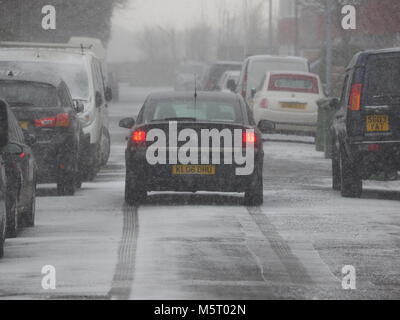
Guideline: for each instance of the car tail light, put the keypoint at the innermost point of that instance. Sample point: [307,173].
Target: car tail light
[264,104]
[60,120]
[249,138]
[22,155]
[374,147]
[138,136]
[355,97]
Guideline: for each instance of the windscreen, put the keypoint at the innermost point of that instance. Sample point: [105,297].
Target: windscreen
[74,74]
[258,69]
[207,110]
[382,80]
[26,94]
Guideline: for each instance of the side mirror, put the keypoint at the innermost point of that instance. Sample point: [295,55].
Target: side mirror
[79,106]
[127,123]
[12,149]
[99,100]
[266,126]
[108,94]
[30,139]
[3,124]
[253,92]
[231,85]
[334,103]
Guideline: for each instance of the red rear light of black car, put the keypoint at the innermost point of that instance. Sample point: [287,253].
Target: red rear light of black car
[138,137]
[355,97]
[249,138]
[60,120]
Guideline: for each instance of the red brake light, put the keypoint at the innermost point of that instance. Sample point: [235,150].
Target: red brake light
[264,104]
[249,137]
[138,136]
[22,155]
[60,120]
[355,97]
[374,147]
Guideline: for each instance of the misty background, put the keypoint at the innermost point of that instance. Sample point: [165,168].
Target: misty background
[148,39]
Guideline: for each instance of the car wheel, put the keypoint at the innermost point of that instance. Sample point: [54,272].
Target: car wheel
[106,147]
[28,216]
[133,195]
[254,196]
[12,217]
[351,182]
[336,178]
[2,237]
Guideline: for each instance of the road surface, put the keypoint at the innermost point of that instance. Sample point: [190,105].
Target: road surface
[210,246]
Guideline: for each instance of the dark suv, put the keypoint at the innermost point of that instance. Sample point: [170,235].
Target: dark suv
[43,106]
[366,127]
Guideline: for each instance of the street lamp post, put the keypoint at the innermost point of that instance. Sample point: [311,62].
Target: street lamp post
[328,46]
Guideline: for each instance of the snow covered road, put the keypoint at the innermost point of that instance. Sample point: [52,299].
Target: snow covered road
[210,246]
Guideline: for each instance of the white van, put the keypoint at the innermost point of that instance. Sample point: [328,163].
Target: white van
[82,72]
[255,67]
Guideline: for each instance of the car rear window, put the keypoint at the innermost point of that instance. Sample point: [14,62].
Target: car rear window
[26,94]
[382,79]
[293,83]
[209,110]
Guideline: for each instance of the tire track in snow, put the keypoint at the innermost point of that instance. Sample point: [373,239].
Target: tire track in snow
[125,269]
[296,270]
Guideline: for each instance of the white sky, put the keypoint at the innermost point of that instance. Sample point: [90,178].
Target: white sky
[168,13]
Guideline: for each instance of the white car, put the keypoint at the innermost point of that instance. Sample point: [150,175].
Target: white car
[287,102]
[225,80]
[255,68]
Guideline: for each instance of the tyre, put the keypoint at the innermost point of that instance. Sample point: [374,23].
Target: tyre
[67,185]
[350,182]
[28,216]
[336,178]
[133,195]
[12,217]
[2,237]
[254,196]
[106,147]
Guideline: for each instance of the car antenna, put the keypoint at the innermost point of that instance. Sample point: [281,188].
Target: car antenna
[195,95]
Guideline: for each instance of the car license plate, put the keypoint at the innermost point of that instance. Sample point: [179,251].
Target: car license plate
[290,105]
[377,123]
[24,124]
[193,170]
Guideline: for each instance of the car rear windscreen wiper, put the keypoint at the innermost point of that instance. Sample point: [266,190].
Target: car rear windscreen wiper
[175,119]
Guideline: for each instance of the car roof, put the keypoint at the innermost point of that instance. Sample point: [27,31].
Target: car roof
[226,63]
[294,73]
[38,77]
[201,94]
[360,58]
[264,57]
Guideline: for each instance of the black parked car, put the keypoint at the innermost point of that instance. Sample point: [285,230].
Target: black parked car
[43,106]
[194,115]
[3,180]
[366,127]
[20,174]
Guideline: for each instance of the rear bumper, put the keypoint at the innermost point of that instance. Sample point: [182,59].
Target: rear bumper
[51,159]
[386,158]
[160,177]
[288,121]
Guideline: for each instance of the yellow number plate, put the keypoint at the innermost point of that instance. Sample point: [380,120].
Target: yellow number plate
[377,123]
[24,125]
[193,170]
[288,105]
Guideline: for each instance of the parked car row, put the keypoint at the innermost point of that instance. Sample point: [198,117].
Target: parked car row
[54,124]
[18,176]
